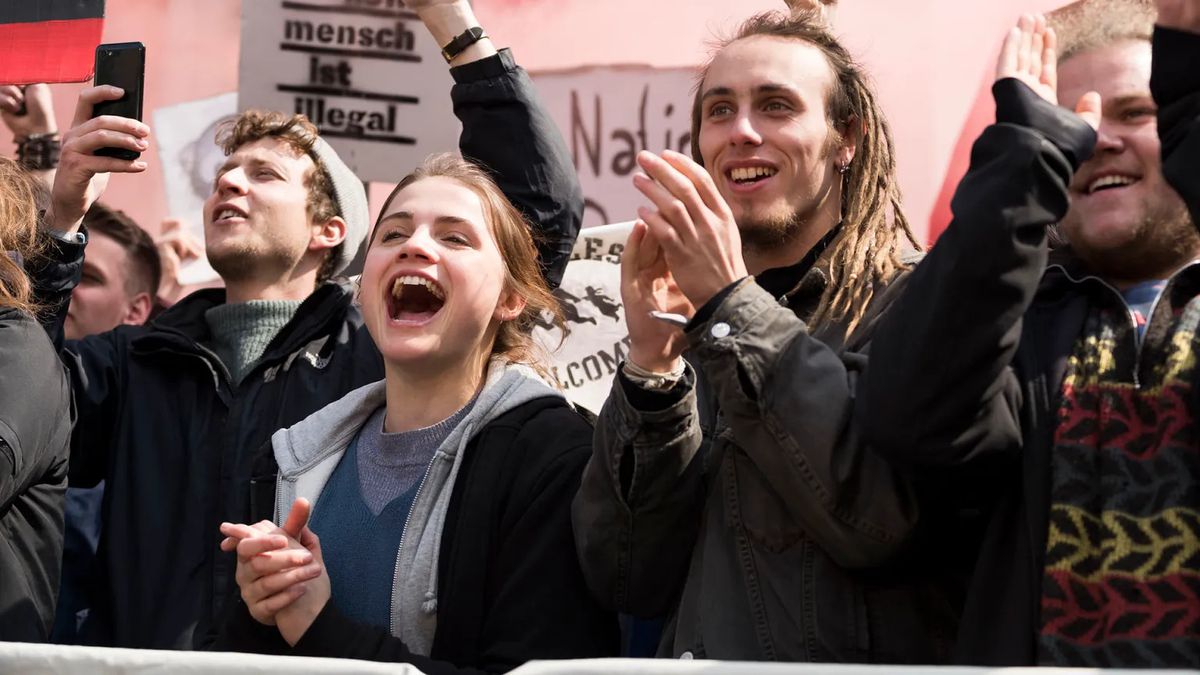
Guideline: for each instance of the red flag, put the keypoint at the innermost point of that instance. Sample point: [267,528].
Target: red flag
[49,40]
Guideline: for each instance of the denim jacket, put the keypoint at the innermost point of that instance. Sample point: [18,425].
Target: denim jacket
[749,510]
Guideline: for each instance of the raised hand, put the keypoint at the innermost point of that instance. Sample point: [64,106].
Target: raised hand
[38,117]
[82,176]
[271,570]
[828,7]
[446,20]
[692,223]
[647,285]
[11,98]
[295,618]
[1179,14]
[297,521]
[1030,54]
[176,247]
[276,567]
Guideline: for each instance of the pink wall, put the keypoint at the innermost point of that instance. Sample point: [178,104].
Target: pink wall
[929,59]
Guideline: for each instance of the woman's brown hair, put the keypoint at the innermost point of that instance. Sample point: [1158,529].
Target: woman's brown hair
[18,235]
[522,274]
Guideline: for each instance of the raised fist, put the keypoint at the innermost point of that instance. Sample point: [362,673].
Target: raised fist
[828,8]
[37,106]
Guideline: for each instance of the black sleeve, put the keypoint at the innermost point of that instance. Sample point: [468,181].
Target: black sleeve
[54,275]
[35,419]
[506,130]
[1175,84]
[250,500]
[706,310]
[95,365]
[939,389]
[240,632]
[35,424]
[334,634]
[542,607]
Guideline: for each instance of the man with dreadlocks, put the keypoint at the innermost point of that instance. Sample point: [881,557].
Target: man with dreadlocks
[731,492]
[1062,384]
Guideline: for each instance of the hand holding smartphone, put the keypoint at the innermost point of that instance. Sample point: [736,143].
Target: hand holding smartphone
[121,65]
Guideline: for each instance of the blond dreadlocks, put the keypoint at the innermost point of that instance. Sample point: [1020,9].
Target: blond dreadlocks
[866,253]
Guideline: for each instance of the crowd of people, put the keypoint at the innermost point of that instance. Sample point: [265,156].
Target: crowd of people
[824,446]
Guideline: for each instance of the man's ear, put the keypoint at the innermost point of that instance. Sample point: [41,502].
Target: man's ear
[327,235]
[510,306]
[852,133]
[139,309]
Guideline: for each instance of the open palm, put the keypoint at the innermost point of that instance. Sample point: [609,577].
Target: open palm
[1030,54]
[646,286]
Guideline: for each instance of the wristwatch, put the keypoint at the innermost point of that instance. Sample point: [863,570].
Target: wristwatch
[465,39]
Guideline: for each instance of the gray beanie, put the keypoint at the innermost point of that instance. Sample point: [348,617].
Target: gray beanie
[351,201]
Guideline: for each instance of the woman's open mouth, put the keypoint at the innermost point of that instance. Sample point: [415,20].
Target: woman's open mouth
[415,300]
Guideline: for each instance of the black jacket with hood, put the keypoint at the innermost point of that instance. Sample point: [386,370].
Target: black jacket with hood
[161,422]
[498,582]
[967,372]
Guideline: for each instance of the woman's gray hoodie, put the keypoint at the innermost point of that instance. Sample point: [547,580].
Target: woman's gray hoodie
[308,452]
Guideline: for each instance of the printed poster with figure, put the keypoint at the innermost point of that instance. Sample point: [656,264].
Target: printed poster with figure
[586,361]
[190,159]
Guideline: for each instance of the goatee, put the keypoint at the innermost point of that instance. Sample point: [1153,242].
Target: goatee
[766,233]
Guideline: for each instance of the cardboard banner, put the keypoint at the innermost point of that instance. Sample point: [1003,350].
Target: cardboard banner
[366,72]
[585,361]
[608,114]
[49,40]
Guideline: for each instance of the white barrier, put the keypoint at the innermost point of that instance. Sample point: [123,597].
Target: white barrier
[694,667]
[36,659]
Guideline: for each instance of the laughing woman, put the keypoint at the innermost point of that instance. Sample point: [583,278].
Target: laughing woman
[440,527]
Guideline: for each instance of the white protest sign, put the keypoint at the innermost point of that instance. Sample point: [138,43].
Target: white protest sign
[590,295]
[186,138]
[366,72]
[608,114]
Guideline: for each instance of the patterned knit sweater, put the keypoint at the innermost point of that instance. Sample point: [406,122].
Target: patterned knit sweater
[1121,585]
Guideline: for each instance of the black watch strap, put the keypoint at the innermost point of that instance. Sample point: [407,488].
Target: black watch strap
[464,39]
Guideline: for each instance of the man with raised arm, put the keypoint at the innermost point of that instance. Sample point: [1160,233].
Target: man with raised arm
[1059,383]
[169,413]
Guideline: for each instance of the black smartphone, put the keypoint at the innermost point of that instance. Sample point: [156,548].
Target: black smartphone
[123,65]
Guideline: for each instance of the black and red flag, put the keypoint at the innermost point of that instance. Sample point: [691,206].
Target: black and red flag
[49,40]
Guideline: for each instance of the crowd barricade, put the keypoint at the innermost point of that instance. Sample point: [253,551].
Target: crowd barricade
[38,659]
[705,667]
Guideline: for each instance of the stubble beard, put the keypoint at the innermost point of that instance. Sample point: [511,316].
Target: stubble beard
[768,232]
[242,262]
[1166,240]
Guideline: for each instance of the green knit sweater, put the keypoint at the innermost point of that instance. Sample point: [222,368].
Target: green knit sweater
[242,331]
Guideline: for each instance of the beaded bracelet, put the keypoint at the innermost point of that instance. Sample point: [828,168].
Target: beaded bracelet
[651,380]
